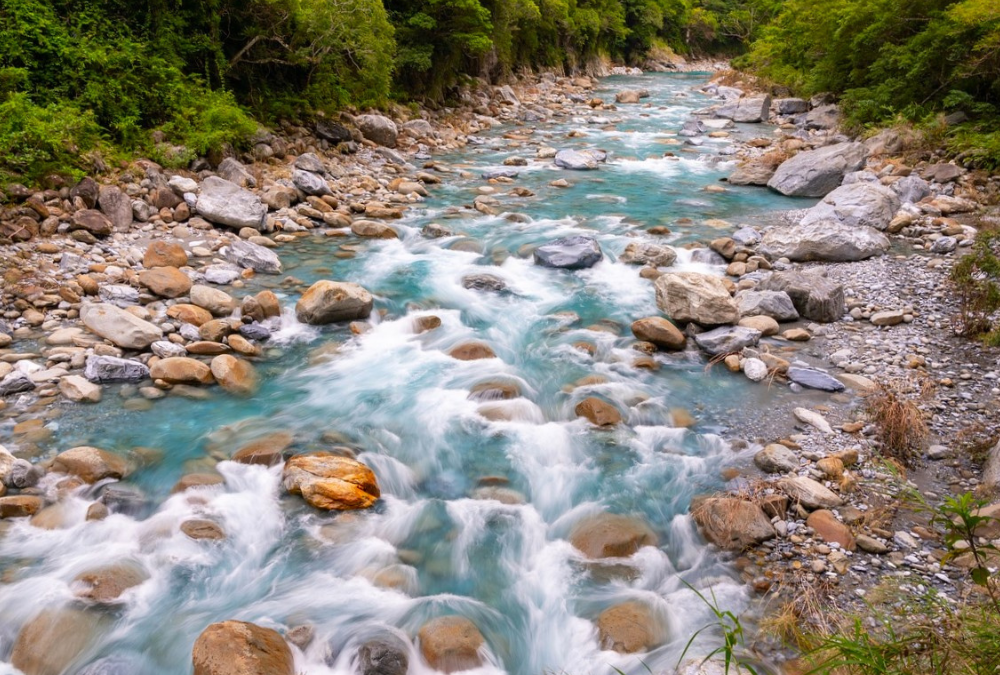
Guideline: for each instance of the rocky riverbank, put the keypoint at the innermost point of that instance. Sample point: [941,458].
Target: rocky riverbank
[149,285]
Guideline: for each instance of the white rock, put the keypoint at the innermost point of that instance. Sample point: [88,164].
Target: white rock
[813,419]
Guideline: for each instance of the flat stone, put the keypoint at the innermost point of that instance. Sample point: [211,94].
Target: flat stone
[814,379]
[809,493]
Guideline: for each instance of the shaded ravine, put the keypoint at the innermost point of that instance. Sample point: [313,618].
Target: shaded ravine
[434,545]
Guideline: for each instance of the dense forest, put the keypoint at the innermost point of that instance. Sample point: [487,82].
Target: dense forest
[117,74]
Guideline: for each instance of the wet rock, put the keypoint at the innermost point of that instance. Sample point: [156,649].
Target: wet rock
[106,584]
[164,254]
[830,529]
[239,648]
[310,183]
[814,379]
[630,627]
[747,109]
[824,241]
[235,375]
[196,480]
[19,506]
[451,644]
[660,332]
[332,301]
[225,203]
[471,351]
[384,655]
[809,493]
[266,450]
[571,253]
[776,458]
[732,524]
[203,529]
[815,297]
[252,256]
[484,282]
[816,173]
[775,304]
[103,369]
[15,382]
[599,412]
[90,464]
[373,230]
[645,253]
[53,640]
[691,296]
[330,482]
[378,129]
[166,282]
[79,389]
[181,370]
[727,339]
[576,160]
[123,329]
[607,535]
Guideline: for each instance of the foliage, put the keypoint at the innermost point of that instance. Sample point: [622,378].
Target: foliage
[733,647]
[976,278]
[37,140]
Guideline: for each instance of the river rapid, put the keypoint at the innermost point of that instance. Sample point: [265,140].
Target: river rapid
[438,543]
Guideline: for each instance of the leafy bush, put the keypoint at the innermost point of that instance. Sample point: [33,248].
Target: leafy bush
[976,277]
[38,140]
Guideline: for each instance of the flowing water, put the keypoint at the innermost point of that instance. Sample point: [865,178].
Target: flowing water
[403,404]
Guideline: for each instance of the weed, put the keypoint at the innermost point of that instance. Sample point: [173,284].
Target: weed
[900,426]
[732,648]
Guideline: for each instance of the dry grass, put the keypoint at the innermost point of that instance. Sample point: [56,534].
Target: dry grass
[900,426]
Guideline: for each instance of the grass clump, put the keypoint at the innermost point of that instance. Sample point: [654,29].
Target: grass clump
[899,425]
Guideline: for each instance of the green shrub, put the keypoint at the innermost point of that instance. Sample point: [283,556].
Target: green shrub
[39,140]
[976,278]
[208,121]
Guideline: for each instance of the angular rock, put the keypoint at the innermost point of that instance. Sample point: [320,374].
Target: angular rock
[236,173]
[103,369]
[791,106]
[856,205]
[252,256]
[332,301]
[660,332]
[824,241]
[727,339]
[775,304]
[815,297]
[732,524]
[911,189]
[571,253]
[484,282]
[331,131]
[91,221]
[576,160]
[120,327]
[776,458]
[79,389]
[816,173]
[164,254]
[607,535]
[90,464]
[16,383]
[691,296]
[225,203]
[747,109]
[331,482]
[116,205]
[814,379]
[451,644]
[809,493]
[378,129]
[599,412]
[645,253]
[239,648]
[310,183]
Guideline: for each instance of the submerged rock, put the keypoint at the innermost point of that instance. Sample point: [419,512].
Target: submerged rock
[90,464]
[239,648]
[451,644]
[107,584]
[608,535]
[331,482]
[53,640]
[571,253]
[629,628]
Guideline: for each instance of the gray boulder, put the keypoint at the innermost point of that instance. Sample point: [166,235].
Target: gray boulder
[816,173]
[776,458]
[236,173]
[823,117]
[824,240]
[691,296]
[857,204]
[117,206]
[647,253]
[15,382]
[814,379]
[791,106]
[570,253]
[252,256]
[911,189]
[727,339]
[383,655]
[120,295]
[775,304]
[746,109]
[309,161]
[578,160]
[123,329]
[113,369]
[225,203]
[378,129]
[310,183]
[815,297]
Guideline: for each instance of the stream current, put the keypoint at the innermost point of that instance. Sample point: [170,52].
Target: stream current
[429,548]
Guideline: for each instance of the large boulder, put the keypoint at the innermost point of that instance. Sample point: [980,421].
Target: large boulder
[331,301]
[660,332]
[105,585]
[855,205]
[113,369]
[236,173]
[570,253]
[239,648]
[753,171]
[727,339]
[116,205]
[90,464]
[692,296]
[331,482]
[775,304]
[776,458]
[252,256]
[53,640]
[814,296]
[123,329]
[451,644]
[732,524]
[225,203]
[816,173]
[629,628]
[91,220]
[608,535]
[824,241]
[746,109]
[378,129]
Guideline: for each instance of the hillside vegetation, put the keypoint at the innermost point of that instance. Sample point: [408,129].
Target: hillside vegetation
[83,82]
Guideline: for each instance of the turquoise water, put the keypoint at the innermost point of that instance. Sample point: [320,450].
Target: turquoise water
[403,405]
